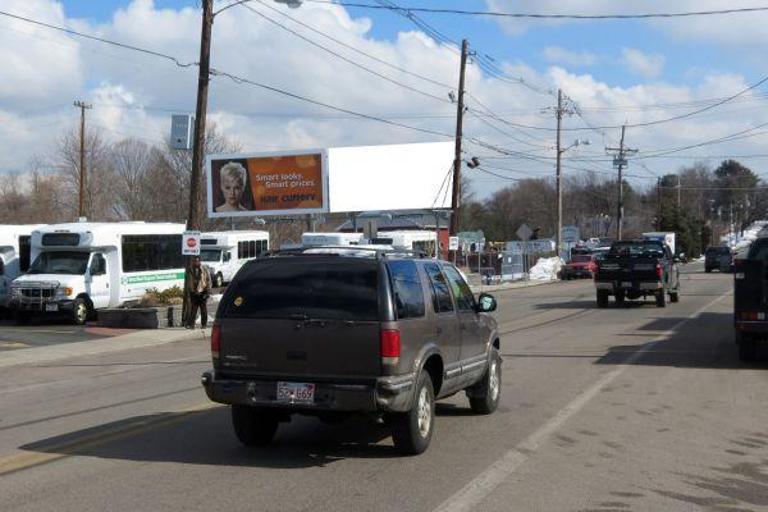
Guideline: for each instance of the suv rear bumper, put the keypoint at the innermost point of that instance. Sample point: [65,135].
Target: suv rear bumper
[383,394]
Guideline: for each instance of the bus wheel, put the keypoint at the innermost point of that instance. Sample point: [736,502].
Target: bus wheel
[79,312]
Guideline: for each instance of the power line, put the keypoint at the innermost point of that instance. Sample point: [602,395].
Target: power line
[99,39]
[345,59]
[435,10]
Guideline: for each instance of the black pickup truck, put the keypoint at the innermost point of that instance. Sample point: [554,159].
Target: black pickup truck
[751,299]
[638,268]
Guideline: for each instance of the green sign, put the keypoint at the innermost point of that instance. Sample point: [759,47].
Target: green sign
[150,278]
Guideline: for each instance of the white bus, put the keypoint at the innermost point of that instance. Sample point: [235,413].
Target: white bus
[224,252]
[14,255]
[81,267]
[331,239]
[408,240]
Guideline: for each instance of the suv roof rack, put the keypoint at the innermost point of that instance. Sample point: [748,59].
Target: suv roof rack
[379,253]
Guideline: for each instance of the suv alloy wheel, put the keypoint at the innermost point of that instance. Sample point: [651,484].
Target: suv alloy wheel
[412,430]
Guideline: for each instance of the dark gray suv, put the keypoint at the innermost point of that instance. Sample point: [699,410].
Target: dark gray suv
[332,332]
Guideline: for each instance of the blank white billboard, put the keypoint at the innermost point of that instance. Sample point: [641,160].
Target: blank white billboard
[392,177]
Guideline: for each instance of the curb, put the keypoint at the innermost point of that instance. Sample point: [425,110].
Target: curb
[511,286]
[129,341]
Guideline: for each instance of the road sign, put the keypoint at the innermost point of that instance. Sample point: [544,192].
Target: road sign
[453,243]
[190,243]
[570,234]
[524,232]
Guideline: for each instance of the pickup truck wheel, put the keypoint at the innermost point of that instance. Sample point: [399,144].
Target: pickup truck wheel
[747,346]
[674,297]
[661,300]
[484,396]
[79,312]
[620,298]
[21,317]
[602,298]
[708,270]
[253,427]
[412,430]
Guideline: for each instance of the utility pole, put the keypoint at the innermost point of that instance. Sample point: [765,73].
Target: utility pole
[81,208]
[455,196]
[679,190]
[620,161]
[194,221]
[658,203]
[559,227]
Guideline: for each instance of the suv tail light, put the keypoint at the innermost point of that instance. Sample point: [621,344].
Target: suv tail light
[390,346]
[215,340]
[659,272]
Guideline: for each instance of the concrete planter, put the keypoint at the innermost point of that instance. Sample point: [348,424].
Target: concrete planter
[141,318]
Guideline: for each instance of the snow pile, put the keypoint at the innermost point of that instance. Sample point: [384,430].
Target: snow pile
[738,241]
[546,269]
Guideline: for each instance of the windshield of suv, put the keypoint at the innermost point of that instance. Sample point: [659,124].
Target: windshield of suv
[60,262]
[637,249]
[324,287]
[210,255]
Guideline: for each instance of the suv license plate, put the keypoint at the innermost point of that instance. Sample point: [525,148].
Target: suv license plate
[51,307]
[295,392]
[626,284]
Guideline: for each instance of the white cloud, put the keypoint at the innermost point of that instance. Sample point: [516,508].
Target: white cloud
[644,64]
[560,55]
[129,90]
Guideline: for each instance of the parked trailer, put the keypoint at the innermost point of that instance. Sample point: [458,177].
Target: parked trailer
[224,252]
[80,268]
[331,239]
[14,255]
[408,240]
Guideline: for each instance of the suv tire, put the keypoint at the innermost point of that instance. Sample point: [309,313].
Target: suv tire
[602,298]
[747,346]
[253,427]
[412,430]
[484,396]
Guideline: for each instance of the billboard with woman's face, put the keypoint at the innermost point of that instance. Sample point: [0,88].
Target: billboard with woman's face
[266,185]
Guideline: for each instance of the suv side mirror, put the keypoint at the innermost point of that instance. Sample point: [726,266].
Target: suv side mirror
[486,303]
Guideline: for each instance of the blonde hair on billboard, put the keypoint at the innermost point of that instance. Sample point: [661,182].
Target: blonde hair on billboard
[233,171]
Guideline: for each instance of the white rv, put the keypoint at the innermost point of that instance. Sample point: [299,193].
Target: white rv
[224,252]
[408,240]
[81,267]
[331,239]
[14,255]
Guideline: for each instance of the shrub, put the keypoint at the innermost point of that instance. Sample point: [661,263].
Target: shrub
[153,297]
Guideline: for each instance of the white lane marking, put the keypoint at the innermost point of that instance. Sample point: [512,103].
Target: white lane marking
[472,494]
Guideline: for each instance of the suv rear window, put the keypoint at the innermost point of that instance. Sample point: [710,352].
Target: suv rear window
[409,296]
[328,288]
[759,250]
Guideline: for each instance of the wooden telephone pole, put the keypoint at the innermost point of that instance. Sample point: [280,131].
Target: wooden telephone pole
[81,204]
[194,213]
[620,161]
[455,196]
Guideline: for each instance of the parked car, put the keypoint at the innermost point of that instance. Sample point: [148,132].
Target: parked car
[333,332]
[638,268]
[720,258]
[750,313]
[580,266]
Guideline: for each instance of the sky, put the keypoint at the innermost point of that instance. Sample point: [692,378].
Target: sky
[614,71]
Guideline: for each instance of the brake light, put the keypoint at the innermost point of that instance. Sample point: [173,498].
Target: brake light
[215,341]
[659,272]
[390,346]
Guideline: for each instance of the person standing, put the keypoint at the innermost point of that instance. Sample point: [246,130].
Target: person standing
[199,291]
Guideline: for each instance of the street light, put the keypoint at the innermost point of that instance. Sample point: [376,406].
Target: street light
[559,227]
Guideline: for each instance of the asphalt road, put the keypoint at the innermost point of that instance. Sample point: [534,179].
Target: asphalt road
[634,408]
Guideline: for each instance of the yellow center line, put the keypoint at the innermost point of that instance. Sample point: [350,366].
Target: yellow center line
[45,454]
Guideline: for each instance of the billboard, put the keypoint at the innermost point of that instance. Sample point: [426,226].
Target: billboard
[331,180]
[274,184]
